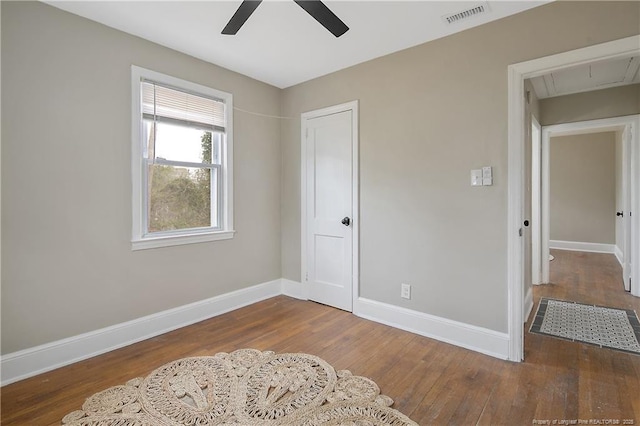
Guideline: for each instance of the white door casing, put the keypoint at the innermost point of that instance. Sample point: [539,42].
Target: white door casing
[329,205]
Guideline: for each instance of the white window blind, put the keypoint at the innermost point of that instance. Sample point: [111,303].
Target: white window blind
[163,103]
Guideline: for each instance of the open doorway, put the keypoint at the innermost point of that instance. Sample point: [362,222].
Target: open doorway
[518,217]
[586,181]
[587,206]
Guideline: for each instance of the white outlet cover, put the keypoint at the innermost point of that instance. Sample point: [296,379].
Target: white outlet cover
[405,291]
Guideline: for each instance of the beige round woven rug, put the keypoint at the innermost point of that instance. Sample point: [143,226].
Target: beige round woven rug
[245,387]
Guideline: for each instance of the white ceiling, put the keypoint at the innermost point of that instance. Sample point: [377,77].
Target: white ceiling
[583,78]
[280,43]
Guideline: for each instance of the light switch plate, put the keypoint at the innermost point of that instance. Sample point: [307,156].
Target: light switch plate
[476,177]
[487,176]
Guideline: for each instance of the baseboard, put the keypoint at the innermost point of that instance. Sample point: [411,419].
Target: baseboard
[580,246]
[30,362]
[40,359]
[619,255]
[468,336]
[528,303]
[294,289]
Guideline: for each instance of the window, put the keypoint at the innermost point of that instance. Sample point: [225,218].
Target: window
[181,161]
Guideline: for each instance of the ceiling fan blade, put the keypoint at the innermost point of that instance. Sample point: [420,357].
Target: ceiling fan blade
[322,14]
[238,19]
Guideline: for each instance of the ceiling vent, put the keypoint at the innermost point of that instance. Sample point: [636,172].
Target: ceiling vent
[479,9]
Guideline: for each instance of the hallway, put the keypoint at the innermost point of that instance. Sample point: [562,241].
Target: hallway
[591,278]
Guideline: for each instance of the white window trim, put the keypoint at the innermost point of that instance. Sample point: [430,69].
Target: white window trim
[140,241]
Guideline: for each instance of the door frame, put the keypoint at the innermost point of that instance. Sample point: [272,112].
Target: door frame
[355,195]
[517,73]
[623,124]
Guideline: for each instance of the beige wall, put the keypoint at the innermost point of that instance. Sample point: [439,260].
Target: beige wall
[582,197]
[428,115]
[67,262]
[605,103]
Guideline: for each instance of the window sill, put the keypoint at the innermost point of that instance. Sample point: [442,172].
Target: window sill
[178,240]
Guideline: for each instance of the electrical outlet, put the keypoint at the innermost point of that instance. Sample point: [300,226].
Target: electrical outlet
[405,291]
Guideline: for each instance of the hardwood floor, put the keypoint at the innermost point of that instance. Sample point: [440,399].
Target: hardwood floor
[432,382]
[591,383]
[587,278]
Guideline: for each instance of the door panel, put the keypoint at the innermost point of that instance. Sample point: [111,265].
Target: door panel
[329,259]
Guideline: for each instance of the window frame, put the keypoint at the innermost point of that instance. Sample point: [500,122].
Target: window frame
[141,238]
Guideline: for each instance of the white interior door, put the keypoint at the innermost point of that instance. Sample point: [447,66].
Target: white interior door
[626,217]
[328,227]
[536,217]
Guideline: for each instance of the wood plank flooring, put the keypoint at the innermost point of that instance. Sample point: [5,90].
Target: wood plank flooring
[432,382]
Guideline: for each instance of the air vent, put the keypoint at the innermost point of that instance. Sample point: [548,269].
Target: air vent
[467,13]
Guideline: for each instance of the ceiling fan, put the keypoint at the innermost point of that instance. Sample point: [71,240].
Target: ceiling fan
[318,10]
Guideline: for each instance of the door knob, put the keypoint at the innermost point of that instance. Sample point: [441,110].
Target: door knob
[346,221]
[619,214]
